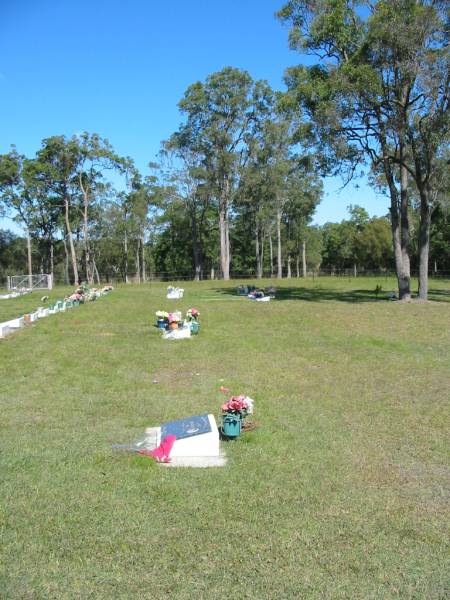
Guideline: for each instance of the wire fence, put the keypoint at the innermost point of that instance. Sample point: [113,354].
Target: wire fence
[174,276]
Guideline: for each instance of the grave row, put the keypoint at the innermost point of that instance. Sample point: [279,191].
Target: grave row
[8,327]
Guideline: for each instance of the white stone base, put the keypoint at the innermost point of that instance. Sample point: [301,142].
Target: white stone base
[198,451]
[15,323]
[175,294]
[263,299]
[205,444]
[198,462]
[5,330]
[177,334]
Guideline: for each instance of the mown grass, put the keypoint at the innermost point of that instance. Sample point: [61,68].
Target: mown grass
[342,490]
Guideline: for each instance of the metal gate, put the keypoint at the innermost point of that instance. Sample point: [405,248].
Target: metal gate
[42,281]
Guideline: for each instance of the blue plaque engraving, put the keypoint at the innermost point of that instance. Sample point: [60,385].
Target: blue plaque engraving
[184,428]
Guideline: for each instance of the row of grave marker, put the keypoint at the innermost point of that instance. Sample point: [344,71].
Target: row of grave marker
[12,325]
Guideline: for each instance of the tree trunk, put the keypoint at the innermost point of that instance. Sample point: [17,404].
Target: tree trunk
[87,257]
[87,253]
[424,243]
[52,259]
[271,255]
[30,262]
[138,262]
[262,252]
[403,273]
[125,249]
[195,246]
[144,274]
[297,266]
[224,241]
[259,254]
[66,263]
[71,244]
[279,264]
[95,270]
[355,270]
[304,258]
[289,266]
[404,225]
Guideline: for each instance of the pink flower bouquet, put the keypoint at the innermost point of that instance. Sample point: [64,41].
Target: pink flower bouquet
[236,405]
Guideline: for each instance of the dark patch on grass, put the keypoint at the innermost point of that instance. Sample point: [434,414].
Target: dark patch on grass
[319,294]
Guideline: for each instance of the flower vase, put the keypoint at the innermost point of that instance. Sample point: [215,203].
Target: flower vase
[231,425]
[195,326]
[161,324]
[173,325]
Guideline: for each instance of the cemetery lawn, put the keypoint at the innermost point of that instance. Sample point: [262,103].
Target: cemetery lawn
[341,491]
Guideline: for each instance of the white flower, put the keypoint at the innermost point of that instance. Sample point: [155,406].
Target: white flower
[250,404]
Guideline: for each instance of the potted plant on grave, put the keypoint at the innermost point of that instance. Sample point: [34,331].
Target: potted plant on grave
[162,319]
[233,413]
[175,318]
[192,316]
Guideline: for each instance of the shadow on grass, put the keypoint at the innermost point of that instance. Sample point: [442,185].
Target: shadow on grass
[319,294]
[439,295]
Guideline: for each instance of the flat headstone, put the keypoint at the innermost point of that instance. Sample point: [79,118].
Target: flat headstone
[188,427]
[196,436]
[197,443]
[177,334]
[16,323]
[5,329]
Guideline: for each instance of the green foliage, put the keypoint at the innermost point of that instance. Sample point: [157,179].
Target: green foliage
[378,96]
[360,241]
[13,253]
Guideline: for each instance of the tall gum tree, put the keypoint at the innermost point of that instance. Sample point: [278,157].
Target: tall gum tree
[95,156]
[18,195]
[59,158]
[222,113]
[367,99]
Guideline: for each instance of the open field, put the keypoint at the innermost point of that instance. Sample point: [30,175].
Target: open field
[342,490]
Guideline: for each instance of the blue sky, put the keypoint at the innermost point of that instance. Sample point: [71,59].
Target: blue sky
[119,68]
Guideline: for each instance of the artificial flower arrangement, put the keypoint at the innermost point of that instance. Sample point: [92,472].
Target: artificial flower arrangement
[238,405]
[234,413]
[85,293]
[192,314]
[174,320]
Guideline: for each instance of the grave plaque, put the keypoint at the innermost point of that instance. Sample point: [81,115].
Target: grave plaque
[188,427]
[196,436]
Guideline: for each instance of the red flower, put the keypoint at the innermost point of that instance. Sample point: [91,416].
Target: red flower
[235,404]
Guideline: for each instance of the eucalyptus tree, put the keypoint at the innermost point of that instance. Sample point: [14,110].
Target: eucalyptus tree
[59,159]
[304,192]
[254,208]
[311,249]
[411,37]
[187,184]
[17,194]
[95,156]
[222,115]
[368,99]
[257,194]
[13,254]
[144,200]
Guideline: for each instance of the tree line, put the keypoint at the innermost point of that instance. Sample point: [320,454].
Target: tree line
[236,185]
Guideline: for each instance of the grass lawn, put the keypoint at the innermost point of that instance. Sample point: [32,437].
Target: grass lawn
[341,491]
